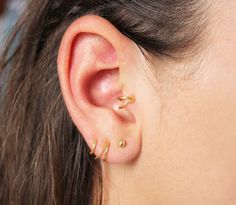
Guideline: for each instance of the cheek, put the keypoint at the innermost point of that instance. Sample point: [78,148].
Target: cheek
[193,148]
[199,149]
[198,142]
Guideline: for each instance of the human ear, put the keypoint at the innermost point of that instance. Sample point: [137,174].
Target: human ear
[96,66]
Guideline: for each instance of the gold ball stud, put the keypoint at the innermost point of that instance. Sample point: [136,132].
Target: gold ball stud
[122,143]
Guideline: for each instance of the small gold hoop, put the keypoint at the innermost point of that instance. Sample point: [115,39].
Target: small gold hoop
[103,153]
[106,151]
[126,100]
[93,147]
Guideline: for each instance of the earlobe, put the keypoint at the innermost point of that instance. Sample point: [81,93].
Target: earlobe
[99,99]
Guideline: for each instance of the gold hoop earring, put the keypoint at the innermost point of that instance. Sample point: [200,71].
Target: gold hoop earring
[104,152]
[93,147]
[126,100]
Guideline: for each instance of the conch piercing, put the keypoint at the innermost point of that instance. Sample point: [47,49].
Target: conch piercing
[93,147]
[103,153]
[126,100]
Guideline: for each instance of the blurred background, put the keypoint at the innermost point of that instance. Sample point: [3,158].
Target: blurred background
[10,10]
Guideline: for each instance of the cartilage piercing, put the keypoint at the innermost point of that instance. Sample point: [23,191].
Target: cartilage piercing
[126,100]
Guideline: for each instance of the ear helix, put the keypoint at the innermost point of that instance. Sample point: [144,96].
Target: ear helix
[126,100]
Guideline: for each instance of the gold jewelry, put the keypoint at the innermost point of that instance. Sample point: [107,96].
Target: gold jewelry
[106,151]
[126,100]
[103,153]
[93,147]
[122,143]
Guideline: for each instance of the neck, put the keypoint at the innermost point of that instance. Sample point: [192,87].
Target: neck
[125,185]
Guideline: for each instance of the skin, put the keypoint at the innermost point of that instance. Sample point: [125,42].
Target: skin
[181,131]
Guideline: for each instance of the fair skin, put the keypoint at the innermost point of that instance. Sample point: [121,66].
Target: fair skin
[180,133]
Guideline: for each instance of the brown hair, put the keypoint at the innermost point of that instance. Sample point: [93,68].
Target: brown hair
[43,157]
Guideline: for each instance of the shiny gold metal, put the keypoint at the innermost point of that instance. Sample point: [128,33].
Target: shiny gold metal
[122,143]
[126,100]
[106,151]
[93,147]
[99,155]
[103,153]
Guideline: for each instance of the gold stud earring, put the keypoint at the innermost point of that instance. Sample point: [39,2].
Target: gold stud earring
[126,100]
[93,147]
[122,143]
[103,153]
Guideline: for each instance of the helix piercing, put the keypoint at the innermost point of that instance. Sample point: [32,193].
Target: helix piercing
[126,100]
[103,153]
[122,143]
[93,147]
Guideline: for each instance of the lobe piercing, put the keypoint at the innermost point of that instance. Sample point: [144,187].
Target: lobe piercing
[106,151]
[103,153]
[126,100]
[93,147]
[122,143]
